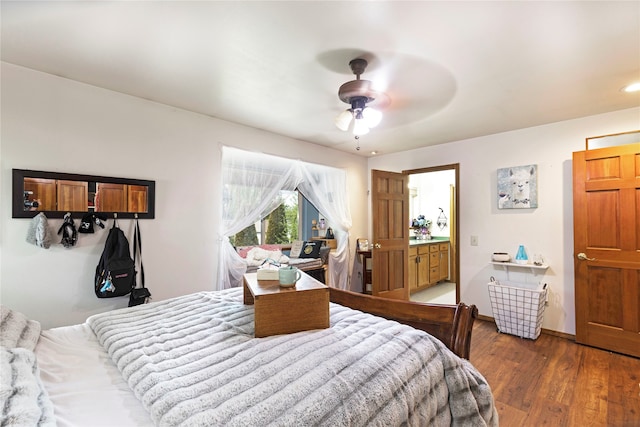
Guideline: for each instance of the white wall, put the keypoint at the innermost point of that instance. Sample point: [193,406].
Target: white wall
[547,230]
[54,124]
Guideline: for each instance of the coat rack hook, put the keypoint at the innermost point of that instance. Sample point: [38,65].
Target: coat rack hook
[135,215]
[115,215]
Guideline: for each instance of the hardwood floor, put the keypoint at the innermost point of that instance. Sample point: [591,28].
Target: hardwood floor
[553,381]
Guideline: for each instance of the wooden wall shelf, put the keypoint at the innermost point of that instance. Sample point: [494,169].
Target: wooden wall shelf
[533,267]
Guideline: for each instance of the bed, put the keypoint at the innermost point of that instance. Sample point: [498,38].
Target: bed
[193,360]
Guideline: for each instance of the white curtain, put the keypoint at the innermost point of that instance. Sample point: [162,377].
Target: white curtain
[251,184]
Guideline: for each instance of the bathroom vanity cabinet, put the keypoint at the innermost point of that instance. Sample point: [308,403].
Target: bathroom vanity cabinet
[428,263]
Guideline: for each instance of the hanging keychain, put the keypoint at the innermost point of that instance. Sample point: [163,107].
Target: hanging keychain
[107,284]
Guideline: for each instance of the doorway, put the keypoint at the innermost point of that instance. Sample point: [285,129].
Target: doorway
[433,192]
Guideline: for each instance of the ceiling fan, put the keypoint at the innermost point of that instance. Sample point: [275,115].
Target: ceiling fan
[358,93]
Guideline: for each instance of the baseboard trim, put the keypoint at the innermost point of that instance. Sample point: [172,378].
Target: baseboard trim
[543,331]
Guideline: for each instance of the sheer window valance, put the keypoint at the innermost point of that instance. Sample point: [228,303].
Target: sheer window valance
[251,183]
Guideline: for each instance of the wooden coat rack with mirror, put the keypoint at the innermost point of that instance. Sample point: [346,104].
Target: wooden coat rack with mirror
[57,193]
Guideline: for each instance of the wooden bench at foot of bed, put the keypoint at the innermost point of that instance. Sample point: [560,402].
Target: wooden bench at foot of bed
[451,324]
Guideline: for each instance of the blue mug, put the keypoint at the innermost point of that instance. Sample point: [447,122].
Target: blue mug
[289,276]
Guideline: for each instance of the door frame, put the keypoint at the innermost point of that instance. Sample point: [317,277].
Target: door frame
[455,226]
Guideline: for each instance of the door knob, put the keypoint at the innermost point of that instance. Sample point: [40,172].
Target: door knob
[583,257]
[377,246]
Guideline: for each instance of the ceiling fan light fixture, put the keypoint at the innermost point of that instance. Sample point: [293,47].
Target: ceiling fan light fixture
[371,116]
[360,127]
[344,120]
[358,93]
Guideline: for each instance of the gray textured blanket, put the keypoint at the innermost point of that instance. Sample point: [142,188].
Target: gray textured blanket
[193,360]
[23,399]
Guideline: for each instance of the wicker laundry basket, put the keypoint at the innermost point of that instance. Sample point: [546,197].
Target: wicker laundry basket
[518,308]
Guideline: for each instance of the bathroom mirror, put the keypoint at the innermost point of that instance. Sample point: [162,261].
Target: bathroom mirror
[57,193]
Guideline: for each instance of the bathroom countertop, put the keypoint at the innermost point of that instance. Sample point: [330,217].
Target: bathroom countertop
[435,239]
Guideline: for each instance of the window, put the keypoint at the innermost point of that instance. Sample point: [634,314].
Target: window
[249,182]
[288,222]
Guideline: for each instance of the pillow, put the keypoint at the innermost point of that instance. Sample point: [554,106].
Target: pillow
[244,250]
[257,255]
[311,249]
[16,330]
[296,248]
[324,254]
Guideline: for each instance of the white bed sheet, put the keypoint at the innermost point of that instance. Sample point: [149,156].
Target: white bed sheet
[83,383]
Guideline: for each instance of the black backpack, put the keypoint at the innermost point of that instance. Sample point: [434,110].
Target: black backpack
[115,273]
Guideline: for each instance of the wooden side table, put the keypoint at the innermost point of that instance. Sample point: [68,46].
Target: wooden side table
[287,310]
[367,274]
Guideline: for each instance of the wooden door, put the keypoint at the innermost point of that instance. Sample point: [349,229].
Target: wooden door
[73,196]
[606,206]
[390,253]
[111,197]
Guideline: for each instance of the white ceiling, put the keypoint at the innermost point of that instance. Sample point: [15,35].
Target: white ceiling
[453,70]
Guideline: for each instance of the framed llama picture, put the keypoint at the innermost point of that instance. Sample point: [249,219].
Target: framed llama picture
[518,187]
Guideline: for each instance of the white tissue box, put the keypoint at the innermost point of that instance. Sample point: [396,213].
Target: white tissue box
[268,274]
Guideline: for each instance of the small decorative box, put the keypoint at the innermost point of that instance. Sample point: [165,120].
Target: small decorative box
[500,257]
